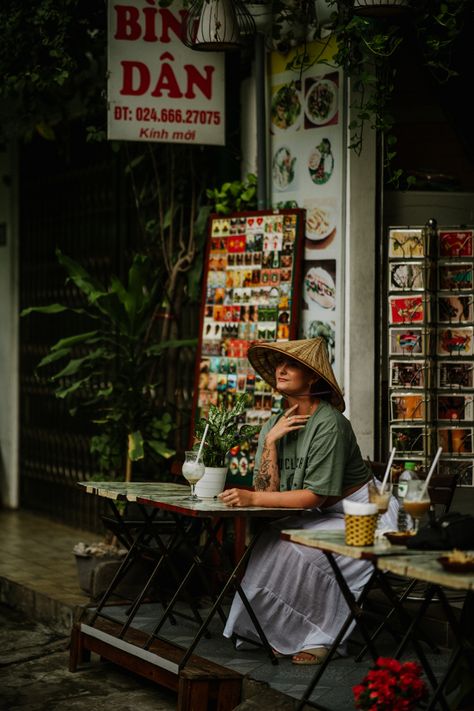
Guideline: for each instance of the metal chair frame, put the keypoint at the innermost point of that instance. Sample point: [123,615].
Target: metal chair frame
[441,490]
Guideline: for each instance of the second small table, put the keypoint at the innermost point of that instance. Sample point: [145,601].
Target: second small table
[332,543]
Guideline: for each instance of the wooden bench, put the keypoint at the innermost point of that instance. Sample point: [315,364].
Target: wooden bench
[201,685]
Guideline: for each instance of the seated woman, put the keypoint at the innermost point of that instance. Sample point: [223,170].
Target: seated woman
[307,457]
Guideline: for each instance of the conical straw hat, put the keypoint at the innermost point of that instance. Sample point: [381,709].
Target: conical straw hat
[310,352]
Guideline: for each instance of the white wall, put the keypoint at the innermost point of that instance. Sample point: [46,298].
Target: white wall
[8,330]
[359,282]
[358,348]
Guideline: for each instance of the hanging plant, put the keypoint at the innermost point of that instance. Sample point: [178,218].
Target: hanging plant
[370,35]
[368,49]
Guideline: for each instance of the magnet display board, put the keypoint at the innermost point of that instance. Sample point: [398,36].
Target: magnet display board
[251,292]
[430,347]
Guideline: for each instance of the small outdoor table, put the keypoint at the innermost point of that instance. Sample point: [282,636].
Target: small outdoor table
[427,568]
[151,498]
[332,543]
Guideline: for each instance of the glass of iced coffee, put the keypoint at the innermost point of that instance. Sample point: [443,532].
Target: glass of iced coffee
[376,496]
[416,502]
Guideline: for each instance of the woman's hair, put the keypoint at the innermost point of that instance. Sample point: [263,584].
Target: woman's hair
[321,389]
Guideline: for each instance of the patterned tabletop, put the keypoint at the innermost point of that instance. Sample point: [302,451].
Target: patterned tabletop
[172,497]
[426,567]
[411,563]
[334,542]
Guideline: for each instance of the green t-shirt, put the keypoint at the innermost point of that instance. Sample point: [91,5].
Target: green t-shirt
[323,457]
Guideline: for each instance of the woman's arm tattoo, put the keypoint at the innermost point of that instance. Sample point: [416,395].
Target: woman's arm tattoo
[267,476]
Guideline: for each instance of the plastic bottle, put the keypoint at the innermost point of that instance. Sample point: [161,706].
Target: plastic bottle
[407,475]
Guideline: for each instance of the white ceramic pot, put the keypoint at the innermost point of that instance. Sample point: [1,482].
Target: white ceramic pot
[212,483]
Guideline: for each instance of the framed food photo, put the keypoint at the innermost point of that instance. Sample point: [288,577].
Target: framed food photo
[408,374]
[406,276]
[455,243]
[409,439]
[457,374]
[455,407]
[409,341]
[456,440]
[252,272]
[455,308]
[407,406]
[408,309]
[464,468]
[455,341]
[407,243]
[455,276]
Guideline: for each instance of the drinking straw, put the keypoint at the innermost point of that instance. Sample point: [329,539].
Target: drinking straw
[388,470]
[432,468]
[202,442]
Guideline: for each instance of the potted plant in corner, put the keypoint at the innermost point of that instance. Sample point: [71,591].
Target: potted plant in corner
[110,370]
[223,434]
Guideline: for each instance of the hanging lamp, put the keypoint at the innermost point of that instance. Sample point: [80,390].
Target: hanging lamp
[217,25]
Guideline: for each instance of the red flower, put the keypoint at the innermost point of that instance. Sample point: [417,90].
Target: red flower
[390,686]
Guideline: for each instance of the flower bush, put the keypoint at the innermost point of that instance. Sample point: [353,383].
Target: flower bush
[391,686]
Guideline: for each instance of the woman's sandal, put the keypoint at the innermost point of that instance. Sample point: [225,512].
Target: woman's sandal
[315,655]
[280,655]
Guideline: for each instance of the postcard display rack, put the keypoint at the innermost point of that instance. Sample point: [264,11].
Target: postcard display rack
[252,265]
[430,346]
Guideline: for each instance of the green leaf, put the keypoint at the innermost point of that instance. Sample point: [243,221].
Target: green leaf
[158,348]
[135,446]
[53,356]
[90,286]
[75,364]
[70,389]
[74,340]
[161,448]
[50,309]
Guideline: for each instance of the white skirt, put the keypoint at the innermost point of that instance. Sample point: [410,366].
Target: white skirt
[292,588]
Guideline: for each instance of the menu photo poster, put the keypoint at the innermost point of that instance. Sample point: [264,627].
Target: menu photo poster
[307,161]
[252,268]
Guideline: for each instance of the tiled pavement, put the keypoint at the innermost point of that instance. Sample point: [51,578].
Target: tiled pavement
[37,567]
[38,575]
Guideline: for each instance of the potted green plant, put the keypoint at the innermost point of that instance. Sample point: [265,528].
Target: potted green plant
[109,369]
[223,433]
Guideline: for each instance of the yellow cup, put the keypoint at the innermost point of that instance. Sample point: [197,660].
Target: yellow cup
[360,529]
[360,522]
